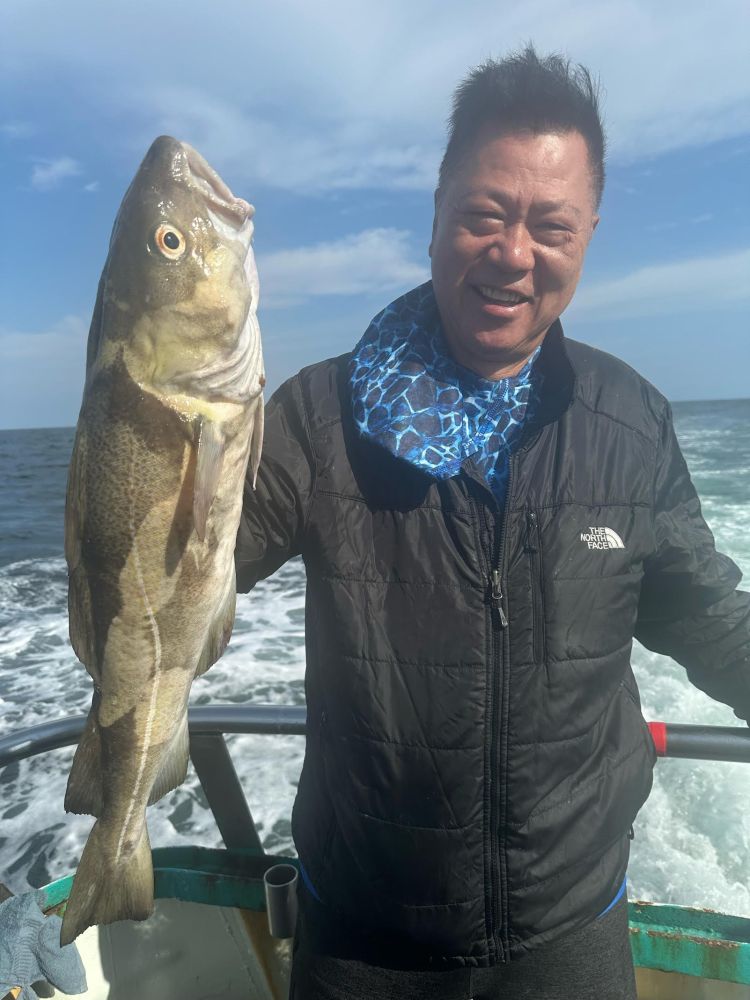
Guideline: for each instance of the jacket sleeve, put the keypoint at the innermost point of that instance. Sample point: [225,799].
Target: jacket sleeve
[274,514]
[689,607]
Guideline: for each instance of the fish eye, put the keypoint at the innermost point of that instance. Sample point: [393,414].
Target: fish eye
[169,241]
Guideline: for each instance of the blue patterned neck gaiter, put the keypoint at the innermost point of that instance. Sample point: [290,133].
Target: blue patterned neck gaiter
[410,397]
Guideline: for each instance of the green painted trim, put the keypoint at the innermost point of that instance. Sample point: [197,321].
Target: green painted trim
[215,877]
[695,942]
[55,893]
[672,938]
[196,875]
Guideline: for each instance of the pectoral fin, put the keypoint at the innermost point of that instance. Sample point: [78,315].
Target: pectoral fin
[256,440]
[207,472]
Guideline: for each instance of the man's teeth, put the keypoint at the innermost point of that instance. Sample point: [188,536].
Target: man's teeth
[507,298]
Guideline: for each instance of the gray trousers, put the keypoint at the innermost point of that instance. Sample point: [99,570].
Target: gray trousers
[592,963]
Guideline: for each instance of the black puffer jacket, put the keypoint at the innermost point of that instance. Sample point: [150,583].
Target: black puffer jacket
[476,752]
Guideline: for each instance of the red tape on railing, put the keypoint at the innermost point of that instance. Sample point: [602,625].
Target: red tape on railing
[659,736]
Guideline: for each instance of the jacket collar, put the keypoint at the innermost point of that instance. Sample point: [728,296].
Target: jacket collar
[558,383]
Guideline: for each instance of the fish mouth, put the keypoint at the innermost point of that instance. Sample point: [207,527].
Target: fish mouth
[224,208]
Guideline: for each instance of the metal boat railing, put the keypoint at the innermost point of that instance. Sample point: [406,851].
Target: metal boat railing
[699,944]
[728,743]
[208,724]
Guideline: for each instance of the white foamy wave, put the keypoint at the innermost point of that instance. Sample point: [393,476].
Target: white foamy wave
[41,679]
[265,659]
[32,584]
[692,837]
[691,845]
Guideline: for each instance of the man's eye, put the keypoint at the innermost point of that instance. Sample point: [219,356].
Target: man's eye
[553,233]
[484,221]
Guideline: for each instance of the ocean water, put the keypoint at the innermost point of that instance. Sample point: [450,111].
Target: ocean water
[692,838]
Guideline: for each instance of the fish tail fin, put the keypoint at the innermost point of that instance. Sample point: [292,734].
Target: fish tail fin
[84,791]
[104,892]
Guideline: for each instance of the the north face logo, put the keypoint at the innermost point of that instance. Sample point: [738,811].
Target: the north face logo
[602,538]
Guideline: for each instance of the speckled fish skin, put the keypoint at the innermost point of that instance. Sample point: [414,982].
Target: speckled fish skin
[172,412]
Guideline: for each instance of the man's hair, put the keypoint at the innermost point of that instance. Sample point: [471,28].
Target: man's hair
[526,93]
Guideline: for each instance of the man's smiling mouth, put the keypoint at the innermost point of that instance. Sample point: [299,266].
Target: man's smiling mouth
[502,296]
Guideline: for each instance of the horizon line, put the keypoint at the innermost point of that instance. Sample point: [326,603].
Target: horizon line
[72,427]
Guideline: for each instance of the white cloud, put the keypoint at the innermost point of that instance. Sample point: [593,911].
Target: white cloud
[365,105]
[49,174]
[17,130]
[92,186]
[278,151]
[375,260]
[699,284]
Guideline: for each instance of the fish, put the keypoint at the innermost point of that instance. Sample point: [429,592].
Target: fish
[170,427]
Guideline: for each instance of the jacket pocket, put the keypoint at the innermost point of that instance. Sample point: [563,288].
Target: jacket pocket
[534,551]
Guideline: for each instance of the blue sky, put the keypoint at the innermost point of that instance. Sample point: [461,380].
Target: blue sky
[330,118]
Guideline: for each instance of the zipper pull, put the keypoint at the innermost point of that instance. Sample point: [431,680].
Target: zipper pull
[497,597]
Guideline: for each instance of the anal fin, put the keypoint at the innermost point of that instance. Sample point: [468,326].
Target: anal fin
[175,764]
[219,631]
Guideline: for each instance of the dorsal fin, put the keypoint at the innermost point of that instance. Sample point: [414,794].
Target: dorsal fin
[95,328]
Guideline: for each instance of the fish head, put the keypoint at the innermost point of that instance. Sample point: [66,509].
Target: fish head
[180,283]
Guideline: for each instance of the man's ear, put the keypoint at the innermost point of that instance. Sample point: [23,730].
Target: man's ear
[594,224]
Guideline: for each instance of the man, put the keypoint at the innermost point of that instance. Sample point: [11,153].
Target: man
[488,513]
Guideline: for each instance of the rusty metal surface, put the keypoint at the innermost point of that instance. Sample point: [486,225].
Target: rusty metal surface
[695,942]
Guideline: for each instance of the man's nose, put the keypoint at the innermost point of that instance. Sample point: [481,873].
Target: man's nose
[513,249]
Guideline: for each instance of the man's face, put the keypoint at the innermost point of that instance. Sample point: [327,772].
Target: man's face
[511,229]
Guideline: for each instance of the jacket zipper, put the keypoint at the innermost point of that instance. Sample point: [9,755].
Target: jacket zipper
[534,548]
[497,597]
[500,732]
[497,618]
